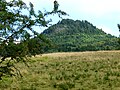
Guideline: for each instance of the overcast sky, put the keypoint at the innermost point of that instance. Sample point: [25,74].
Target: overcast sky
[103,14]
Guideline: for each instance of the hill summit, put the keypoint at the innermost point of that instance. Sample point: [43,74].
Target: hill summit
[69,35]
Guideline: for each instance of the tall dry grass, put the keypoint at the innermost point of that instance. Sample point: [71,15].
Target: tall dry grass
[98,70]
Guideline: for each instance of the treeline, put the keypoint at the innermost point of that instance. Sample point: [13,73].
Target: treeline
[69,35]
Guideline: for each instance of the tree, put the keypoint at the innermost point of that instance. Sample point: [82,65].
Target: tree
[17,33]
[119,31]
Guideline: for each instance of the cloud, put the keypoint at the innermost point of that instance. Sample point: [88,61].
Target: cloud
[95,7]
[100,12]
[108,30]
[100,7]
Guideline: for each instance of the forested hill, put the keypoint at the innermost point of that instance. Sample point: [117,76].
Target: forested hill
[69,35]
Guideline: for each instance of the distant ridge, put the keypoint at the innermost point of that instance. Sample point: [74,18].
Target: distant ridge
[69,35]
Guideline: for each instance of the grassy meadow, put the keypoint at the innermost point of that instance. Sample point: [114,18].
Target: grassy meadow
[98,70]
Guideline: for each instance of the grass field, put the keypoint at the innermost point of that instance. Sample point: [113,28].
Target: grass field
[99,70]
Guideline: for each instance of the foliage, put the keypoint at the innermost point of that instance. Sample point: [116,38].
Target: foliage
[17,22]
[119,31]
[69,35]
[38,45]
[68,71]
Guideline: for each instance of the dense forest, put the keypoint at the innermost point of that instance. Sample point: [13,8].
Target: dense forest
[69,35]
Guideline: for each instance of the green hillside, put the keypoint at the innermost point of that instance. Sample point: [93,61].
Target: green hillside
[69,35]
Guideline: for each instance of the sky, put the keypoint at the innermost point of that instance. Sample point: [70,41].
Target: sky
[104,14]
